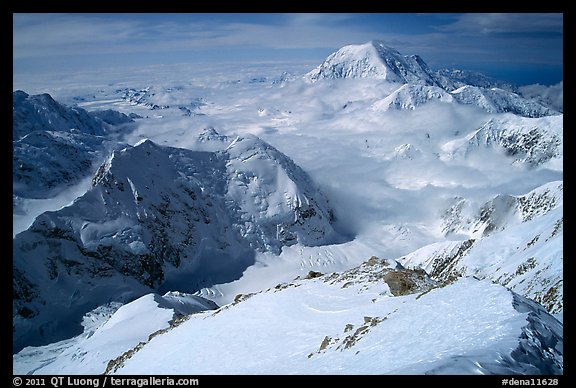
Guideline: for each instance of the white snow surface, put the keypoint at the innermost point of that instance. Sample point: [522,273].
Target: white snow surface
[323,327]
[346,323]
[109,332]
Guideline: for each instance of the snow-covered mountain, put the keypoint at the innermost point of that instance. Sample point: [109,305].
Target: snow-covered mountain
[528,141]
[171,97]
[410,96]
[41,113]
[376,60]
[161,218]
[496,100]
[516,241]
[54,146]
[373,60]
[452,79]
[142,97]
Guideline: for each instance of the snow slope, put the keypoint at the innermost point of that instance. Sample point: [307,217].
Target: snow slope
[361,321]
[529,141]
[351,323]
[410,96]
[496,100]
[109,331]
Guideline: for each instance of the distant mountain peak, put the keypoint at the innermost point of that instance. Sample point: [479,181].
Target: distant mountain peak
[55,146]
[374,59]
[379,61]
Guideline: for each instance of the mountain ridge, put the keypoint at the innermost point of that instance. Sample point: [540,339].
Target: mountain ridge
[56,146]
[378,61]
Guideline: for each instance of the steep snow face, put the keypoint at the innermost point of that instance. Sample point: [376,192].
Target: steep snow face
[515,241]
[373,60]
[503,211]
[529,141]
[160,218]
[278,203]
[363,321]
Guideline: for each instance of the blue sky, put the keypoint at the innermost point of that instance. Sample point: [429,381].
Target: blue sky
[521,48]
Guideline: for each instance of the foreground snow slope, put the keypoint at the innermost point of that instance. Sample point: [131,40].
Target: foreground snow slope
[377,318]
[109,331]
[351,323]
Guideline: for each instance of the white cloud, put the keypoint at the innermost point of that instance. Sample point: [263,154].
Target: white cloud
[41,34]
[487,23]
[54,34]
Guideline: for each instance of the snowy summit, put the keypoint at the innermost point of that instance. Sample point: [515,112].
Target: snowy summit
[374,60]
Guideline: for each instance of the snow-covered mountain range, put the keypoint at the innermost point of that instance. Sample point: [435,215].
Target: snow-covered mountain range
[515,241]
[376,60]
[527,141]
[236,205]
